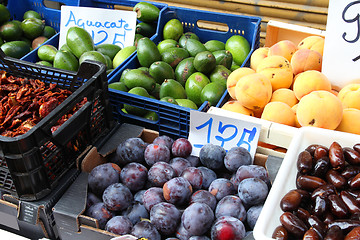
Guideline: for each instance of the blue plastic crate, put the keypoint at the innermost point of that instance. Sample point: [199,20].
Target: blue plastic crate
[173,119]
[33,57]
[51,16]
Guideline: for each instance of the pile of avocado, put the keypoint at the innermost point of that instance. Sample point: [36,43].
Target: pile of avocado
[180,69]
[19,38]
[80,45]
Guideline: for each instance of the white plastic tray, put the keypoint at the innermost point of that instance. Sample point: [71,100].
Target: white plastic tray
[286,176]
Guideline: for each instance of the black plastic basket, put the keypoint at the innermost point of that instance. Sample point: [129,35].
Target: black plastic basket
[32,164]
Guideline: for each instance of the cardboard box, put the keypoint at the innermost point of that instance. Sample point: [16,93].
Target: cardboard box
[34,219]
[69,210]
[277,31]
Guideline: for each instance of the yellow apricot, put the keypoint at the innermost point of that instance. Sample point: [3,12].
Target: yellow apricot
[315,43]
[253,91]
[350,96]
[236,106]
[279,112]
[234,77]
[309,81]
[285,48]
[306,59]
[284,95]
[350,121]
[257,56]
[320,109]
[278,69]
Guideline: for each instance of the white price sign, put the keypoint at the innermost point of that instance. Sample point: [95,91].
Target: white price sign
[223,131]
[341,59]
[104,25]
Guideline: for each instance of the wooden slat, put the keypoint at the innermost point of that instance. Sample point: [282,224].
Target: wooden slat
[269,11]
[281,4]
[317,3]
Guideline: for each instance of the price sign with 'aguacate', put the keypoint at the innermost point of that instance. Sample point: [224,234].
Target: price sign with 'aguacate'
[223,131]
[341,59]
[104,25]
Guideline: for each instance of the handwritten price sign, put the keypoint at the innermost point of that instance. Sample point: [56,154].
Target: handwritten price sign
[341,59]
[104,25]
[223,131]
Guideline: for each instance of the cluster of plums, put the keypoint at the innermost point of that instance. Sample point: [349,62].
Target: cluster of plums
[159,190]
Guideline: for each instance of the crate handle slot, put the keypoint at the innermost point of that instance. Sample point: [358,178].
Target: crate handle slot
[53,4]
[66,131]
[56,4]
[88,69]
[210,25]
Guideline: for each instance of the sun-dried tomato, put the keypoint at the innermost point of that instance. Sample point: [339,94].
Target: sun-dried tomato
[24,102]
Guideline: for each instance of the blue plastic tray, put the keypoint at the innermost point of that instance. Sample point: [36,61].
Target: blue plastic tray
[174,120]
[33,57]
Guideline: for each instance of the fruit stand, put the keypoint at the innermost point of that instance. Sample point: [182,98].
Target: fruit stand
[189,120]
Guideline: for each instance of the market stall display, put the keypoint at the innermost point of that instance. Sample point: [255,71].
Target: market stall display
[100,149]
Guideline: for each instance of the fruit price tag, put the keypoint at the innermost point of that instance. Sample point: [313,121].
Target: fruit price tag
[104,25]
[223,131]
[341,59]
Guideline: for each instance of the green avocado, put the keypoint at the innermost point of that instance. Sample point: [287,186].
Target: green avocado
[188,35]
[4,14]
[108,49]
[44,63]
[184,102]
[79,41]
[160,71]
[152,116]
[94,56]
[47,52]
[118,86]
[66,60]
[147,52]
[194,47]
[194,85]
[205,62]
[48,32]
[139,78]
[184,69]
[220,74]
[169,100]
[212,93]
[11,31]
[145,29]
[173,29]
[223,57]
[172,88]
[31,14]
[146,12]
[167,43]
[214,45]
[174,55]
[32,27]
[15,49]
[135,110]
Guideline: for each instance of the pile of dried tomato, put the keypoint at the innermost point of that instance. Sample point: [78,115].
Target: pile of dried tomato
[24,102]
